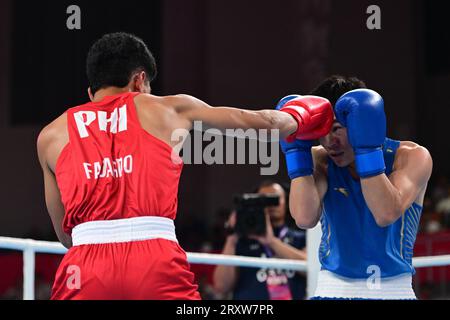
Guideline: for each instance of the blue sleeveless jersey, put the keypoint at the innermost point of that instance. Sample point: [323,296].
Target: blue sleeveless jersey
[352,243]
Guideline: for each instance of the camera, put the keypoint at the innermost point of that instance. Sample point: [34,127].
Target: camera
[250,218]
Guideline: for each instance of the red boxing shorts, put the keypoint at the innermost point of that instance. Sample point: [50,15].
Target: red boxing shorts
[135,258]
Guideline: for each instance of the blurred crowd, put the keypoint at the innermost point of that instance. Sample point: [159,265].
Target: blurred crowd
[436,207]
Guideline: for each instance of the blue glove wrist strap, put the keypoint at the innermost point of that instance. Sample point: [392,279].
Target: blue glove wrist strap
[299,163]
[370,163]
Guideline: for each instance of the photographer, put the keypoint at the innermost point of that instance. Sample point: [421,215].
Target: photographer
[279,241]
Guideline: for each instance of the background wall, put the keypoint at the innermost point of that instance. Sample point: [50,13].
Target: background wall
[245,54]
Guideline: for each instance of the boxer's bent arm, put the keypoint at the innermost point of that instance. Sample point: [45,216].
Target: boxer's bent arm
[388,198]
[52,195]
[234,118]
[307,193]
[55,207]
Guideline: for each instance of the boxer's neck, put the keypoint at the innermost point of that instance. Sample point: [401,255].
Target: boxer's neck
[109,91]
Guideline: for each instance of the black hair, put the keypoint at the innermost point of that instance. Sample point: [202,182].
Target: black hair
[115,57]
[332,88]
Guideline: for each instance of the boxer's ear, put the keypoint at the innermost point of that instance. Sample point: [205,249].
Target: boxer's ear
[91,96]
[141,82]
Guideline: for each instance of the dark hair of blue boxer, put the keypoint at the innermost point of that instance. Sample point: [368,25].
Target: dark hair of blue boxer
[332,88]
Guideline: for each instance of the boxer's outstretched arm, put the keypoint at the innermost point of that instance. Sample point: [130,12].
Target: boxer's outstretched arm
[307,193]
[194,109]
[388,198]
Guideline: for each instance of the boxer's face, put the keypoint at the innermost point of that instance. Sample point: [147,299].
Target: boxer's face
[337,145]
[276,213]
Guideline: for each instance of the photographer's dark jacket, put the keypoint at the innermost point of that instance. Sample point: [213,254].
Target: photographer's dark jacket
[253,284]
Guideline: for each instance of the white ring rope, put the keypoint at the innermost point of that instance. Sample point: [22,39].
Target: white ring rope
[30,247]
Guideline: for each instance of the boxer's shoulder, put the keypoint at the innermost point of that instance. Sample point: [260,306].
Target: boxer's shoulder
[414,161]
[171,104]
[159,116]
[52,139]
[157,111]
[410,152]
[53,130]
[406,146]
[149,101]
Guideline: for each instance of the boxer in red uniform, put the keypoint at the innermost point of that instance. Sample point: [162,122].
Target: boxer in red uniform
[111,181]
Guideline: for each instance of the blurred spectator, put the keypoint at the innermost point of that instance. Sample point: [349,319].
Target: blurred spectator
[280,241]
[43,288]
[434,225]
[204,275]
[426,211]
[14,292]
[431,220]
[443,207]
[440,189]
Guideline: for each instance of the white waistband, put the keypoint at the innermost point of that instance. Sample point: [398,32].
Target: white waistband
[123,230]
[330,285]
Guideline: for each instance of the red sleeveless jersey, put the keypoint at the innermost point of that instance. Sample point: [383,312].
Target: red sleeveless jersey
[112,168]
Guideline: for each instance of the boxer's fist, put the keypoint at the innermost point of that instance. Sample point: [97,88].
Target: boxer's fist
[361,111]
[314,116]
[286,146]
[298,152]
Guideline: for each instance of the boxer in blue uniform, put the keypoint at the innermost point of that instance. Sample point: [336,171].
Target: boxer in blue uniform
[366,189]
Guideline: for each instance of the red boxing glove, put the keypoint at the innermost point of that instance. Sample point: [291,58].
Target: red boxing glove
[314,116]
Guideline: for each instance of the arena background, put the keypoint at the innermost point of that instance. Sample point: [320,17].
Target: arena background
[239,53]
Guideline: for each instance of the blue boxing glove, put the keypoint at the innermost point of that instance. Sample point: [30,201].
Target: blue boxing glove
[361,111]
[298,154]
